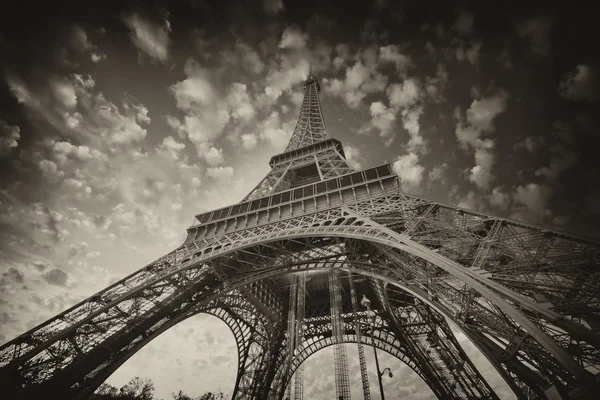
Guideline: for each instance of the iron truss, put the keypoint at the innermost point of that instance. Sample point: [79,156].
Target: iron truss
[285,268]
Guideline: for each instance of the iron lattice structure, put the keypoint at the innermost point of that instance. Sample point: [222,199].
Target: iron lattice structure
[286,267]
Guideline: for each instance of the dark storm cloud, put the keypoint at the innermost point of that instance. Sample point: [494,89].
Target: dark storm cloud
[14,275]
[56,277]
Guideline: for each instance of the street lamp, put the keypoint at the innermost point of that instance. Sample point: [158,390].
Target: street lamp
[367,304]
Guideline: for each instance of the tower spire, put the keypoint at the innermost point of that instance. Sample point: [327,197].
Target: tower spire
[310,127]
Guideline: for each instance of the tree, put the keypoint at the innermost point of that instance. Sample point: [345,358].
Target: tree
[138,389]
[143,389]
[207,396]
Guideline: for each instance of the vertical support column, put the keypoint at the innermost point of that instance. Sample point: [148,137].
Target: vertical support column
[340,359]
[291,331]
[299,376]
[361,350]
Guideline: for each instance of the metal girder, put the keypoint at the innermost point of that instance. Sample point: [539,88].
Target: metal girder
[527,297]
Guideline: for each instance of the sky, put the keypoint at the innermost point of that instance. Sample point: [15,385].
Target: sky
[121,121]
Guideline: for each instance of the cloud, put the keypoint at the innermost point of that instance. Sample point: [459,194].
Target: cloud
[537,31]
[471,201]
[273,7]
[531,143]
[14,274]
[480,119]
[409,171]
[472,53]
[171,147]
[581,84]
[391,53]
[435,87]
[249,141]
[534,197]
[9,137]
[464,23]
[410,121]
[499,199]
[342,52]
[150,39]
[207,109]
[77,249]
[404,94]
[56,277]
[50,170]
[214,156]
[291,69]
[277,133]
[359,81]
[219,172]
[437,173]
[64,92]
[63,150]
[382,118]
[293,38]
[353,156]
[249,58]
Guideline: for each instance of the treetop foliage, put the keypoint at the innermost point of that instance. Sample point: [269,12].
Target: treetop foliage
[143,389]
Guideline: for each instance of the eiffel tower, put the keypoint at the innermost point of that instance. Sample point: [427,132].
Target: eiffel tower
[291,267]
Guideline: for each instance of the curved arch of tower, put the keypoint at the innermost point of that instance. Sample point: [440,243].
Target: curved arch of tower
[286,269]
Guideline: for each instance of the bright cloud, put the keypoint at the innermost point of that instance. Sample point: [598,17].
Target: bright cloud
[480,119]
[582,84]
[9,137]
[409,171]
[150,38]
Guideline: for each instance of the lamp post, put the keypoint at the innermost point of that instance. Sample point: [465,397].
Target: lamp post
[367,304]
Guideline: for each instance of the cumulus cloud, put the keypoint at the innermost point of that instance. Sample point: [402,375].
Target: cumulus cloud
[50,170]
[353,156]
[99,118]
[293,38]
[276,132]
[479,120]
[214,156]
[537,31]
[534,199]
[150,38]
[219,172]
[172,147]
[409,171]
[64,92]
[581,84]
[244,55]
[359,81]
[410,121]
[471,201]
[64,150]
[9,137]
[249,141]
[382,118]
[404,94]
[208,110]
[499,199]
[291,69]
[391,53]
